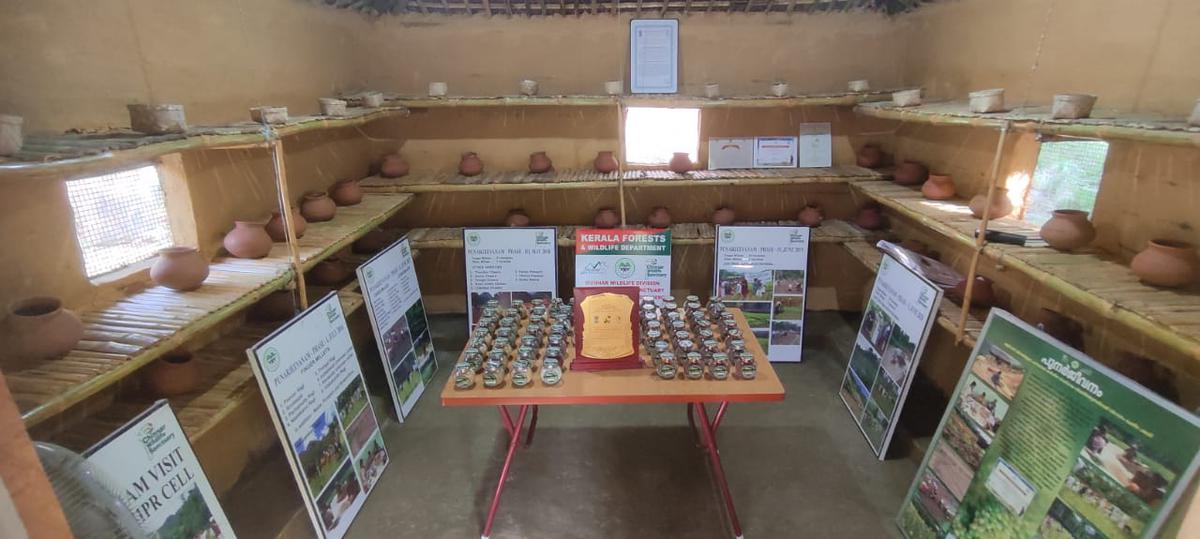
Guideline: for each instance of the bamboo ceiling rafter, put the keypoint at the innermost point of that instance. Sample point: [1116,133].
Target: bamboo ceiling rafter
[634,7]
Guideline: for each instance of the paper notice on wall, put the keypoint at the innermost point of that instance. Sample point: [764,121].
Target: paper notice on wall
[727,153]
[775,152]
[638,257]
[509,263]
[815,145]
[654,56]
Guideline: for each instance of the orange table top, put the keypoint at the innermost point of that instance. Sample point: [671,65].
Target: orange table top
[628,386]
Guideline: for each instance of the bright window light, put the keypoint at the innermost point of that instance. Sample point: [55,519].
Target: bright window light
[120,218]
[653,134]
[1067,176]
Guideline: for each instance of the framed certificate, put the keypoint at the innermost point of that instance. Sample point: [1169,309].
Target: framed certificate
[775,152]
[654,56]
[606,328]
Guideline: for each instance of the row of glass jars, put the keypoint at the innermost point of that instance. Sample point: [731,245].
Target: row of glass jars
[495,348]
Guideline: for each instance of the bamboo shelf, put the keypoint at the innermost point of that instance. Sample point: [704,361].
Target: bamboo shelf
[351,222]
[646,100]
[1093,279]
[768,176]
[1103,124]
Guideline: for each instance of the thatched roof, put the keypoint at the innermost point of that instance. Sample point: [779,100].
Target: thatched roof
[646,8]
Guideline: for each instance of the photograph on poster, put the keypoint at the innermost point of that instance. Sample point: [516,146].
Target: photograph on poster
[951,469]
[745,284]
[352,401]
[397,342]
[530,296]
[864,366]
[884,394]
[853,395]
[321,451]
[789,307]
[789,282]
[192,519]
[965,440]
[898,355]
[786,333]
[1063,523]
[423,348]
[415,315]
[936,501]
[360,430]
[874,424]
[876,326]
[371,462]
[339,496]
[407,378]
[983,406]
[1001,371]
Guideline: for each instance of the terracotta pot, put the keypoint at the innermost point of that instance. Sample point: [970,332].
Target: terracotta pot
[723,216]
[275,229]
[346,193]
[1060,326]
[517,217]
[869,218]
[605,162]
[938,187]
[470,164]
[317,207]
[371,242]
[606,218]
[248,239]
[1001,205]
[173,374]
[40,328]
[275,307]
[982,294]
[1068,230]
[910,173]
[680,163]
[539,162]
[329,272]
[393,166]
[870,156]
[1166,263]
[659,217]
[179,268]
[811,215]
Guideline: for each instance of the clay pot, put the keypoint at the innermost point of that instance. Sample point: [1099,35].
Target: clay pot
[275,229]
[910,173]
[275,307]
[982,294]
[393,166]
[1072,106]
[179,268]
[680,163]
[173,374]
[371,242]
[605,162]
[723,216]
[1166,263]
[659,217]
[470,164]
[869,217]
[1068,230]
[346,193]
[517,217]
[539,162]
[317,207]
[811,215]
[1060,326]
[938,187]
[606,218]
[248,239]
[40,328]
[329,272]
[870,156]
[1001,205]
[11,137]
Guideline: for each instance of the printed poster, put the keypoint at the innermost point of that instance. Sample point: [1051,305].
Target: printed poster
[310,378]
[638,257]
[775,152]
[509,263]
[890,339]
[654,56]
[762,270]
[150,462]
[1043,441]
[393,298]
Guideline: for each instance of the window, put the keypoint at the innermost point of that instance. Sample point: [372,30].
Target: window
[120,218]
[653,134]
[1067,176]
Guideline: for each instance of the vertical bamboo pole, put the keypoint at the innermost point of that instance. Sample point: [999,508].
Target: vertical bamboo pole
[621,156]
[285,210]
[980,240]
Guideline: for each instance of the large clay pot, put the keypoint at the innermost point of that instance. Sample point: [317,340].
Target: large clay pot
[173,374]
[40,328]
[1060,326]
[680,163]
[1068,230]
[393,166]
[317,207]
[605,162]
[1001,205]
[179,268]
[248,239]
[910,173]
[982,294]
[371,242]
[275,307]
[724,216]
[517,217]
[811,215]
[938,187]
[470,164]
[659,217]
[869,217]
[870,156]
[275,229]
[329,272]
[606,218]
[1166,263]
[539,162]
[346,193]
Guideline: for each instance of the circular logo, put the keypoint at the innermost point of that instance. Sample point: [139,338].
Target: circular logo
[624,268]
[727,234]
[271,359]
[473,239]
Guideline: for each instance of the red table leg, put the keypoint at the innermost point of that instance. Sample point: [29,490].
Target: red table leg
[512,450]
[532,427]
[508,422]
[714,457]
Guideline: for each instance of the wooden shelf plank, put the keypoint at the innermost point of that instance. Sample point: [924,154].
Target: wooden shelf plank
[648,100]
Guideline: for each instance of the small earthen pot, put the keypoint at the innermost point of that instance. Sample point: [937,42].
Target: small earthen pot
[724,216]
[275,307]
[275,229]
[470,164]
[1068,230]
[659,217]
[983,294]
[173,374]
[680,163]
[393,166]
[539,162]
[869,217]
[605,162]
[179,268]
[1166,263]
[329,272]
[346,192]
[910,173]
[248,239]
[606,218]
[811,215]
[517,217]
[1060,326]
[371,242]
[938,187]
[870,156]
[317,207]
[40,328]
[1001,205]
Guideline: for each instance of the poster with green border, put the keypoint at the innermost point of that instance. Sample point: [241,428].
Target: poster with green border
[1042,441]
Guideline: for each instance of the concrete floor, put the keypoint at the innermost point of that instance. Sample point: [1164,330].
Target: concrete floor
[795,468]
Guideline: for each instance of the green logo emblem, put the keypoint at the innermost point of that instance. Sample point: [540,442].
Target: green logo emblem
[331,312]
[472,239]
[370,274]
[624,268]
[271,359]
[727,234]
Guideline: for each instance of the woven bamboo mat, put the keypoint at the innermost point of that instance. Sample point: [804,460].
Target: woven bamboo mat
[839,174]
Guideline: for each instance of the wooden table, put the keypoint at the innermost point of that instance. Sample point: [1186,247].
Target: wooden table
[632,386]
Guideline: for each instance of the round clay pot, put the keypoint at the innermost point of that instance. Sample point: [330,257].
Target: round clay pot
[1001,205]
[723,216]
[1166,263]
[470,164]
[869,217]
[346,193]
[371,242]
[275,229]
[659,217]
[329,272]
[606,218]
[680,163]
[179,268]
[811,215]
[539,162]
[40,328]
[393,166]
[910,173]
[517,217]
[173,374]
[870,156]
[938,187]
[982,294]
[1060,326]
[317,207]
[605,162]
[275,307]
[1068,230]
[248,239]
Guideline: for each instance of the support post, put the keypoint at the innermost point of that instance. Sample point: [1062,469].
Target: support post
[285,210]
[980,236]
